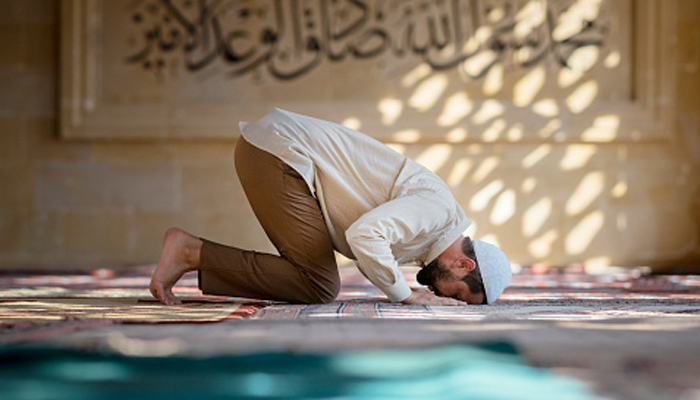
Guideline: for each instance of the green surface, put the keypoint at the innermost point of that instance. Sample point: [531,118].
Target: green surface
[492,371]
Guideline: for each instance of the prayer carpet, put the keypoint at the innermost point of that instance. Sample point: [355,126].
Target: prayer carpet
[38,307]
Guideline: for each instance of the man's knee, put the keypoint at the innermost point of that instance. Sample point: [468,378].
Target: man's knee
[328,292]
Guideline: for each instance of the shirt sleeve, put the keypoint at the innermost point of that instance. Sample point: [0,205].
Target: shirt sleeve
[372,236]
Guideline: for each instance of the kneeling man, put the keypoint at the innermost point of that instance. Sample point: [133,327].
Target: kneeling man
[317,187]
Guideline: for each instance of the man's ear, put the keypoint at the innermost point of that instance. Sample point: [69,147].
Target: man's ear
[467,263]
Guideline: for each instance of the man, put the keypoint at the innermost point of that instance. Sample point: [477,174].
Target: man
[316,187]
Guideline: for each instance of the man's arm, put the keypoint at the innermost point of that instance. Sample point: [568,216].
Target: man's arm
[372,235]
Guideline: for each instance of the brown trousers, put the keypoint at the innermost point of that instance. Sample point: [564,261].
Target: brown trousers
[305,271]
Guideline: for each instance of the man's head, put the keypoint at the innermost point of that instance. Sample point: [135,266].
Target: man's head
[471,271]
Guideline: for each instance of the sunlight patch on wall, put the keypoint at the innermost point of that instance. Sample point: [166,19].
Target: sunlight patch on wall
[546,108]
[457,107]
[536,155]
[459,171]
[582,97]
[481,199]
[530,17]
[428,92]
[584,58]
[597,265]
[399,148]
[588,190]
[492,133]
[493,83]
[527,20]
[536,215]
[390,109]
[604,129]
[528,185]
[580,237]
[515,132]
[489,110]
[504,208]
[612,60]
[474,66]
[482,35]
[485,168]
[491,238]
[435,156]
[456,135]
[576,156]
[572,21]
[620,189]
[352,123]
[542,246]
[568,77]
[527,88]
[415,75]
[552,128]
[407,136]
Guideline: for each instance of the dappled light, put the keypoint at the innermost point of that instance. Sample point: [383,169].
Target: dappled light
[482,198]
[536,215]
[524,136]
[428,92]
[528,87]
[581,236]
[576,156]
[504,207]
[390,110]
[536,155]
[582,97]
[489,110]
[587,191]
[435,156]
[604,129]
[457,106]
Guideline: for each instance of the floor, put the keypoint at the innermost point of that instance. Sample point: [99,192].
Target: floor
[623,334]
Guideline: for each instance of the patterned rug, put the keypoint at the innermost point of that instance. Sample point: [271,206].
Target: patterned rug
[537,292]
[37,307]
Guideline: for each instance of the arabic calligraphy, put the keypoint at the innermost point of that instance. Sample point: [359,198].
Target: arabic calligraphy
[290,38]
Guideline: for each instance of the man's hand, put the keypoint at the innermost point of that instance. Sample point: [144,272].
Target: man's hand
[424,297]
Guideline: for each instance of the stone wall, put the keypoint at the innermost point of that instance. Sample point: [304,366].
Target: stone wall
[558,185]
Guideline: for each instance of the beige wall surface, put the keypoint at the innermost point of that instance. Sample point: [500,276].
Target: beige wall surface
[569,131]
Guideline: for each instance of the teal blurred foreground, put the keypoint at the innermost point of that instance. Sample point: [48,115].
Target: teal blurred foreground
[493,371]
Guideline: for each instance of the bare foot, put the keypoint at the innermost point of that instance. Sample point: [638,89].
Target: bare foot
[180,255]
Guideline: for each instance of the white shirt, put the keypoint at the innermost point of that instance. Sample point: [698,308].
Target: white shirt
[381,208]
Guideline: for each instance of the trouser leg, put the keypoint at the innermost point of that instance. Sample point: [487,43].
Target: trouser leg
[305,271]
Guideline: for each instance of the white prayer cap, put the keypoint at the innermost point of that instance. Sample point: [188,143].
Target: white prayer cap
[494,267]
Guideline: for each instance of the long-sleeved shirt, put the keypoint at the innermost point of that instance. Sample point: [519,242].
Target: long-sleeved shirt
[381,208]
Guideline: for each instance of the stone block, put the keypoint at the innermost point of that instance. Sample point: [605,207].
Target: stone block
[40,44]
[143,153]
[211,188]
[30,11]
[83,185]
[14,142]
[29,92]
[43,236]
[45,144]
[10,35]
[98,235]
[200,154]
[16,187]
[12,221]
